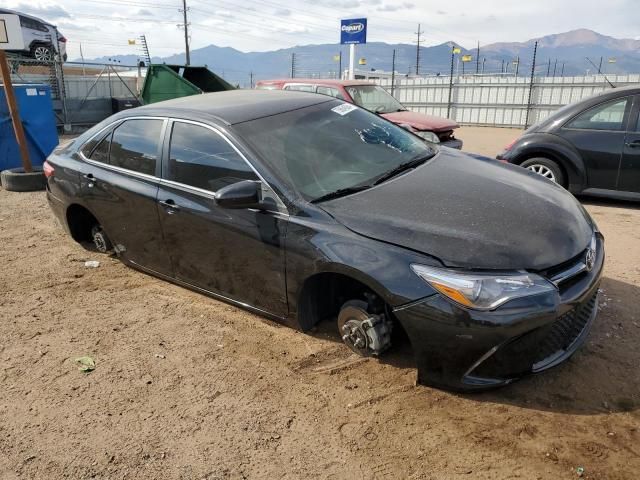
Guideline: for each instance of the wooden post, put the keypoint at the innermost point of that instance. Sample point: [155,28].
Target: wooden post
[15,114]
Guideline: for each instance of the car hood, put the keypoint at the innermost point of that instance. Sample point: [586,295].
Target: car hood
[420,121]
[471,213]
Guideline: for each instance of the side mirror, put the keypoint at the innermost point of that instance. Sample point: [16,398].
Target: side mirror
[244,194]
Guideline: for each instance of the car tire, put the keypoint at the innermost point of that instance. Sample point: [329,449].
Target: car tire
[16,180]
[546,168]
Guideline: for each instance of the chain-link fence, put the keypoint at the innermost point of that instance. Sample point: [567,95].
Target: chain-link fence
[82,93]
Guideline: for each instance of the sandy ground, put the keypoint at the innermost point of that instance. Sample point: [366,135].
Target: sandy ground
[186,387]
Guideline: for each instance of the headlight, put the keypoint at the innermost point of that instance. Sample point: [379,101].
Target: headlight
[482,291]
[428,136]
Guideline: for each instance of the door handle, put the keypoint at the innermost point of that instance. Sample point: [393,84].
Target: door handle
[91,179]
[170,205]
[635,144]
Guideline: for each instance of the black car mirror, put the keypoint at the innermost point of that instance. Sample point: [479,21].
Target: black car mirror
[244,194]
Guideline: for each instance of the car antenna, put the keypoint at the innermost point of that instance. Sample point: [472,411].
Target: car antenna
[605,77]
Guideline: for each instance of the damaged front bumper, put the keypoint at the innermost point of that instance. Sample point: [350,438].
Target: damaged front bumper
[461,349]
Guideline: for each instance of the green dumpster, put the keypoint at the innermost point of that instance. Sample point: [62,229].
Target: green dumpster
[164,82]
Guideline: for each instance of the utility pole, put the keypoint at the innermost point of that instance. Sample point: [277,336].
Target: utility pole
[251,79]
[562,72]
[418,33]
[393,72]
[517,65]
[483,60]
[478,58]
[549,67]
[450,83]
[533,72]
[555,65]
[600,66]
[502,67]
[186,31]
[293,65]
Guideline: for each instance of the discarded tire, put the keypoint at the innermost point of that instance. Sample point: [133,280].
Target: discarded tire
[16,180]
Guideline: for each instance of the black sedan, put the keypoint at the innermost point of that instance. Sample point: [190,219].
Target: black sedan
[305,208]
[591,147]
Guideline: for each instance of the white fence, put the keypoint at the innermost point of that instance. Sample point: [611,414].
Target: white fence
[497,100]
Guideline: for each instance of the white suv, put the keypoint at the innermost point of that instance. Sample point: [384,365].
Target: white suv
[41,39]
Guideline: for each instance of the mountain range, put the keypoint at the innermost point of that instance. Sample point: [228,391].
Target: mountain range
[576,52]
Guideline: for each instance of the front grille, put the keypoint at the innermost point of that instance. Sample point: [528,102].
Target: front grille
[539,348]
[565,331]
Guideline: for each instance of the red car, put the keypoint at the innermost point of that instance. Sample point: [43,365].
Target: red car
[375,99]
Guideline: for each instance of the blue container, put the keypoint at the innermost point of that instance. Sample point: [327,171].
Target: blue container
[38,119]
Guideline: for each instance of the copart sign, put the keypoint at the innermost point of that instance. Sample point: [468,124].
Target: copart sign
[353,31]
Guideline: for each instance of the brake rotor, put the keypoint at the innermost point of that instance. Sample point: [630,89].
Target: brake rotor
[364,332]
[350,326]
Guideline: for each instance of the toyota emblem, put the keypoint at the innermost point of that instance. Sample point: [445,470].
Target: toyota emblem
[590,259]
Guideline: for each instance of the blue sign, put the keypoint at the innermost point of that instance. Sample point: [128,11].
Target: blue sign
[353,31]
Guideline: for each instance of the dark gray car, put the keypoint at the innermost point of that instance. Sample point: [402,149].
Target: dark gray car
[305,208]
[590,147]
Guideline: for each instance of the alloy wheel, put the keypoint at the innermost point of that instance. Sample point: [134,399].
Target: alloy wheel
[544,171]
[42,53]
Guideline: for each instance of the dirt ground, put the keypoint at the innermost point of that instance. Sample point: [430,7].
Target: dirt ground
[186,387]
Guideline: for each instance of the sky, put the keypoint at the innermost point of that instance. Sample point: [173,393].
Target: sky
[104,27]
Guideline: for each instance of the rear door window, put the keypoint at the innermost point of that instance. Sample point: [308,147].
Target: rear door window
[134,145]
[101,152]
[200,157]
[99,142]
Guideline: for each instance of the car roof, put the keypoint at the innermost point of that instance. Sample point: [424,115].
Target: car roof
[14,12]
[233,106]
[318,81]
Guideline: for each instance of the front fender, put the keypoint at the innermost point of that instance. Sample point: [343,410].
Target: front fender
[553,147]
[321,246]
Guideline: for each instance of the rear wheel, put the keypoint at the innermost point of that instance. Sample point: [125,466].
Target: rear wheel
[546,168]
[42,53]
[364,332]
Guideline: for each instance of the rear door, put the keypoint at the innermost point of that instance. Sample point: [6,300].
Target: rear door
[119,184]
[629,178]
[238,254]
[599,135]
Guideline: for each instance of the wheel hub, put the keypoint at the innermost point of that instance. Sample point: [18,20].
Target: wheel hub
[364,333]
[99,240]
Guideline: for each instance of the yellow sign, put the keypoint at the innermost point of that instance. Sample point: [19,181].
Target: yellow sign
[132,42]
[336,58]
[466,58]
[456,50]
[362,61]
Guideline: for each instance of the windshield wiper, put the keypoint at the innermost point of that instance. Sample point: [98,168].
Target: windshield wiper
[413,163]
[340,193]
